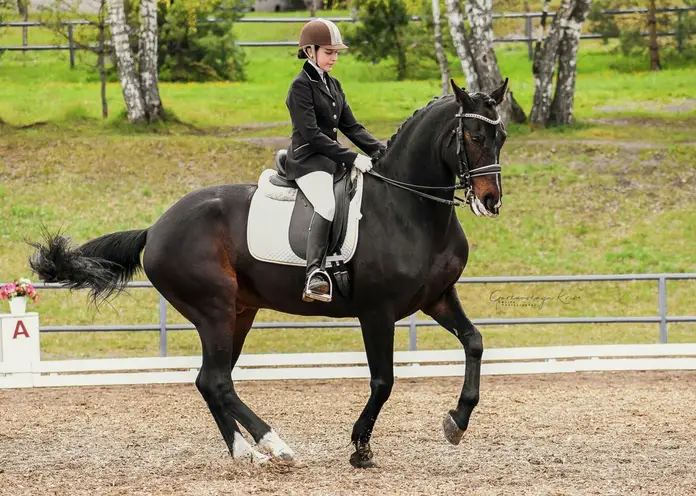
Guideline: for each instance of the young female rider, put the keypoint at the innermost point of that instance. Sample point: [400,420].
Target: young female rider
[318,110]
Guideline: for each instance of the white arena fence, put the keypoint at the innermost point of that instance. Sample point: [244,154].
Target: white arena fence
[412,363]
[344,365]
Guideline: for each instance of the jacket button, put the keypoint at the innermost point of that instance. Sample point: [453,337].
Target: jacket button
[334,116]
[334,130]
[333,103]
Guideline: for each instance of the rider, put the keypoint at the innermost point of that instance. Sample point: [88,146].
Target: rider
[318,109]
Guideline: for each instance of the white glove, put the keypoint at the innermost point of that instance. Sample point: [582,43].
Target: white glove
[363,163]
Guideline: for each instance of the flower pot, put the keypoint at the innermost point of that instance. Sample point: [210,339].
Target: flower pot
[18,305]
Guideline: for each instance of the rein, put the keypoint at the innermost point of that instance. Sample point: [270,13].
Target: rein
[465,173]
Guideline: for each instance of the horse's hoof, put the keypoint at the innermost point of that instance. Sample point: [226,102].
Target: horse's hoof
[362,457]
[274,446]
[243,451]
[358,461]
[452,431]
[260,459]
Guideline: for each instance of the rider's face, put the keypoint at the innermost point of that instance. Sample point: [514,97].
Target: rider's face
[326,58]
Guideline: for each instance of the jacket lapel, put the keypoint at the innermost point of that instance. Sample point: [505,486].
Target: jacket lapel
[314,77]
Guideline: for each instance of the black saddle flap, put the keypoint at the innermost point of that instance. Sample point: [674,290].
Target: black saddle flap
[344,191]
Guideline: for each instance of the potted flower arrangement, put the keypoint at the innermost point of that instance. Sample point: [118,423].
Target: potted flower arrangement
[17,293]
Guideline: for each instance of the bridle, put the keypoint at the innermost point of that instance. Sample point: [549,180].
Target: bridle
[465,173]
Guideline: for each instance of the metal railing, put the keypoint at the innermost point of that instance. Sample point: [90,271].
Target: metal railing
[662,318]
[72,46]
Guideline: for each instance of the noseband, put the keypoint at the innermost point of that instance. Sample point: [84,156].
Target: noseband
[465,173]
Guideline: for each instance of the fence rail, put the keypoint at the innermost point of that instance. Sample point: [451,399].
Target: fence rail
[528,38]
[412,323]
[342,365]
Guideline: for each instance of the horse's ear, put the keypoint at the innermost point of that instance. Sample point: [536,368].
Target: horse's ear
[499,95]
[462,96]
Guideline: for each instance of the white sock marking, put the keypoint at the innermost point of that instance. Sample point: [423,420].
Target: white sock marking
[243,450]
[272,443]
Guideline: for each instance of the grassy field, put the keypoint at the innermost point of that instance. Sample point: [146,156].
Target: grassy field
[40,86]
[615,193]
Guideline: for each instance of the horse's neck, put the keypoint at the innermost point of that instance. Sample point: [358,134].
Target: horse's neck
[414,163]
[413,156]
[414,159]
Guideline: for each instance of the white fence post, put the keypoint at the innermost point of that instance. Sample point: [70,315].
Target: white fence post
[19,344]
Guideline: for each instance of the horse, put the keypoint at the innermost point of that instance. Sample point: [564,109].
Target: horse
[411,252]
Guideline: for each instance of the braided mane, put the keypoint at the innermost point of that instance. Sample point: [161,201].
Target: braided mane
[409,119]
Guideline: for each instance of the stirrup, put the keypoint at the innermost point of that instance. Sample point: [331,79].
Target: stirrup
[309,295]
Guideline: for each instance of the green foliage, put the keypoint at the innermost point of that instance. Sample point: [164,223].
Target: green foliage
[629,29]
[5,6]
[601,23]
[53,16]
[686,28]
[382,32]
[191,50]
[5,9]
[420,53]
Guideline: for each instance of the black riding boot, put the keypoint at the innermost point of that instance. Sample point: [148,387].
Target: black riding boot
[317,285]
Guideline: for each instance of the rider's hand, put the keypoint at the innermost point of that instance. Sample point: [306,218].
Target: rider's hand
[363,163]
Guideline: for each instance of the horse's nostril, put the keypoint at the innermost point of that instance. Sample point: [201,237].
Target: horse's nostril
[489,202]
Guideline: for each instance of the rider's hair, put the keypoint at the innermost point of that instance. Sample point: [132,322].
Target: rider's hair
[301,54]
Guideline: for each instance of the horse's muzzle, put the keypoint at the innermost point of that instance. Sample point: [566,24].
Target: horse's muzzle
[492,204]
[489,207]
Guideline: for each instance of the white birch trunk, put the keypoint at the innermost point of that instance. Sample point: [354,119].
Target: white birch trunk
[148,60]
[461,44]
[480,15]
[125,61]
[545,63]
[439,50]
[562,106]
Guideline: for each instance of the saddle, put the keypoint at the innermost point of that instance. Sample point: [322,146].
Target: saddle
[344,190]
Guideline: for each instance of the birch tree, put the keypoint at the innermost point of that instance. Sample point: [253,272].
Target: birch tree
[477,54]
[148,60]
[562,105]
[560,44]
[480,15]
[461,44]
[140,88]
[439,49]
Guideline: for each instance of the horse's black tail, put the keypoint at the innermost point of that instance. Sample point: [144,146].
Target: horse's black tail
[103,265]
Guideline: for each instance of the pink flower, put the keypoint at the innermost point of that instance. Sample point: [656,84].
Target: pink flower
[21,287]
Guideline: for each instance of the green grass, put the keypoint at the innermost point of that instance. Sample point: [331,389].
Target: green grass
[614,193]
[40,86]
[569,208]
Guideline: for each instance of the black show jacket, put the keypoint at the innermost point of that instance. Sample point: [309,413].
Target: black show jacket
[317,114]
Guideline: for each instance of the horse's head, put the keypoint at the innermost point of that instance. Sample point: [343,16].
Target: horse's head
[479,136]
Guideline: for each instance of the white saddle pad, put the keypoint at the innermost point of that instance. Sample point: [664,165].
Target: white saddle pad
[269,222]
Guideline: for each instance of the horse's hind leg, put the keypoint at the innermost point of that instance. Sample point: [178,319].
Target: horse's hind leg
[212,310]
[263,434]
[214,382]
[448,312]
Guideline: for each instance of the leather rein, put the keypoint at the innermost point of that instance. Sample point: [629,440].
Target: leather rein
[465,173]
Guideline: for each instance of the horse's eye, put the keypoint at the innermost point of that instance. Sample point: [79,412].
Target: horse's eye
[479,140]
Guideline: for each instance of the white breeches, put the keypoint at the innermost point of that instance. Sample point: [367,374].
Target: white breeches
[318,188]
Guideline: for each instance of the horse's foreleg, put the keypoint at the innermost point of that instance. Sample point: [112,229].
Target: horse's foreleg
[265,437]
[378,335]
[448,312]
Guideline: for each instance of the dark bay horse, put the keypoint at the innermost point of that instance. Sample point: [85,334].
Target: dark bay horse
[410,253]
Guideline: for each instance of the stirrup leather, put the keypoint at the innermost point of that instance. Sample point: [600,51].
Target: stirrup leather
[309,295]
